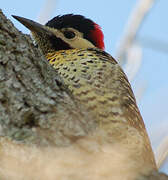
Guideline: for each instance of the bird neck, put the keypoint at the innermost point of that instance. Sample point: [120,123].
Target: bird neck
[56,58]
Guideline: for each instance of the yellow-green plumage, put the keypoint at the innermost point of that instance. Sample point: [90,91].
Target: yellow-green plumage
[97,80]
[99,83]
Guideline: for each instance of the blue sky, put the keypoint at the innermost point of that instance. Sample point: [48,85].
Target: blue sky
[112,16]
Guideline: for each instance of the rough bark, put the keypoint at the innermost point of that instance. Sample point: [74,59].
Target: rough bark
[35,106]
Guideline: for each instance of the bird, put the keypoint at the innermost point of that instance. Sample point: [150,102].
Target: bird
[74,46]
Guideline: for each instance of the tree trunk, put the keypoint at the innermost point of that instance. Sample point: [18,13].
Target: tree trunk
[35,106]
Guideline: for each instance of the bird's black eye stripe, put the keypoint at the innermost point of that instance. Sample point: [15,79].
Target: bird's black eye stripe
[69,34]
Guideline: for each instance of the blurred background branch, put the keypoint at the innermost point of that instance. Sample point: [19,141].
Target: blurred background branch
[129,55]
[162,152]
[47,10]
[134,22]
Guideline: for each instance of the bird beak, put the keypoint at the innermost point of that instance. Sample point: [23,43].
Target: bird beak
[33,26]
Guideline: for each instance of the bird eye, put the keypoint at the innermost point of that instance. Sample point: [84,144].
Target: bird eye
[69,34]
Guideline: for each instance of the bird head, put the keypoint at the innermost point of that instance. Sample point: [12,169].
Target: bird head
[65,32]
